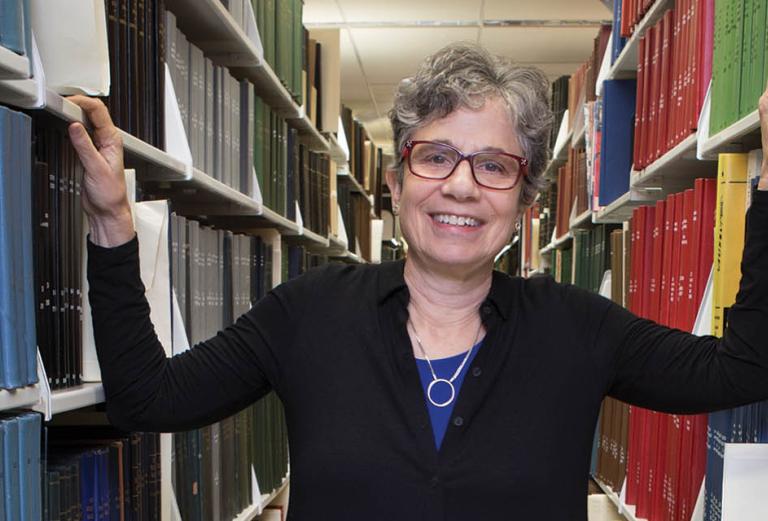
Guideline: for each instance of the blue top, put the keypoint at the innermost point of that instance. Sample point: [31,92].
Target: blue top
[444,368]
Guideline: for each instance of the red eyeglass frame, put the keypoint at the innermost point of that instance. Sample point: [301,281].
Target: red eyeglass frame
[406,154]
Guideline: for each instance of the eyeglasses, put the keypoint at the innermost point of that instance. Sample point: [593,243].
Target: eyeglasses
[495,170]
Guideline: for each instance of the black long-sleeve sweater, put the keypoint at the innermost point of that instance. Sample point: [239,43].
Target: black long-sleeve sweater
[333,345]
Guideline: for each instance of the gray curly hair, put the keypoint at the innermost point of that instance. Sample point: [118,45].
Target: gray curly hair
[465,75]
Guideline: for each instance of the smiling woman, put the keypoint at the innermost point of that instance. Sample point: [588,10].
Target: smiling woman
[433,388]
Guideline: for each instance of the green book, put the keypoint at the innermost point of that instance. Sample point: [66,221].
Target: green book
[745,76]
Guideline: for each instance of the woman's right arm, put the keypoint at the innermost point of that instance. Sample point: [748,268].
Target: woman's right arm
[144,389]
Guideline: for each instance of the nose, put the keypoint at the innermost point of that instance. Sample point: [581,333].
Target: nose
[461,183]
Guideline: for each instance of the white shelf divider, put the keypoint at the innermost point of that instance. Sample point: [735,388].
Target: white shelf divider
[13,66]
[628,511]
[21,398]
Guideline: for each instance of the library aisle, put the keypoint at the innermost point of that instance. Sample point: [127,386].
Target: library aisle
[257,141]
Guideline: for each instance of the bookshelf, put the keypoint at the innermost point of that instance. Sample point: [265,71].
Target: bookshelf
[583,220]
[73,398]
[625,65]
[255,510]
[21,398]
[743,133]
[628,511]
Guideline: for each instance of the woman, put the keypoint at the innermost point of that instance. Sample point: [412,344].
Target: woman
[435,388]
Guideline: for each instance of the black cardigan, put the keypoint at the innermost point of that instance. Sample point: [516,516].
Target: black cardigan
[334,346]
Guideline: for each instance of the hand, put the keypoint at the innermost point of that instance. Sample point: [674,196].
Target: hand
[763,110]
[104,193]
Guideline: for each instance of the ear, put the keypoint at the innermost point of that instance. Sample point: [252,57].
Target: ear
[394,186]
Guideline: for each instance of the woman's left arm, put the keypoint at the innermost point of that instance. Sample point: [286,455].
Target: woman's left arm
[673,371]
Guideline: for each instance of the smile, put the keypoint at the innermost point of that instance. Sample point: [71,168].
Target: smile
[456,220]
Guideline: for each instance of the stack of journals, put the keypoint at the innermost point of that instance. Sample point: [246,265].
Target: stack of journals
[15,31]
[20,477]
[18,339]
[279,23]
[135,32]
[673,70]
[740,62]
[100,473]
[58,220]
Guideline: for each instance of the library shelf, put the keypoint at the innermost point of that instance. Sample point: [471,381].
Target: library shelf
[314,242]
[583,220]
[77,397]
[150,162]
[579,136]
[13,66]
[628,511]
[549,248]
[21,398]
[208,25]
[741,136]
[337,153]
[344,173]
[676,169]
[625,65]
[620,210]
[252,511]
[562,240]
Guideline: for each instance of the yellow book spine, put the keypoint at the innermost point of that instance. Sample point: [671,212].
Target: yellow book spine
[729,235]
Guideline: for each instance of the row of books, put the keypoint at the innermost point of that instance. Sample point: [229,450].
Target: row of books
[559,104]
[548,217]
[591,256]
[100,473]
[673,71]
[366,162]
[312,79]
[18,359]
[20,479]
[217,111]
[136,41]
[282,34]
[56,183]
[740,62]
[214,467]
[356,214]
[15,32]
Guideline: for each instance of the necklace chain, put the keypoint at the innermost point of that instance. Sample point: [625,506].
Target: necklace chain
[435,378]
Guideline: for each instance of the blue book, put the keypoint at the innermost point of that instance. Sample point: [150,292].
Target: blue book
[29,466]
[3,515]
[17,268]
[718,434]
[23,135]
[102,474]
[616,150]
[88,485]
[12,25]
[618,42]
[10,376]
[10,427]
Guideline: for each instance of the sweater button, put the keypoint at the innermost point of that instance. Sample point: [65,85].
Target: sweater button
[476,371]
[458,421]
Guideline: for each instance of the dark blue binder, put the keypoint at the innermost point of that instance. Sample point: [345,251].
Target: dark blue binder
[29,466]
[616,149]
[618,42]
[88,485]
[10,427]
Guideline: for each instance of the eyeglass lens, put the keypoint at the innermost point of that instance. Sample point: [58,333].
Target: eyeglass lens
[438,161]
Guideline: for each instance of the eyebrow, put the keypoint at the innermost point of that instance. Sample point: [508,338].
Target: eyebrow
[486,149]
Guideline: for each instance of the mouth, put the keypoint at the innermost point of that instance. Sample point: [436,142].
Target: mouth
[450,219]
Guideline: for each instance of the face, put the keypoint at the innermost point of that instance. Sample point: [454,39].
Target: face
[425,203]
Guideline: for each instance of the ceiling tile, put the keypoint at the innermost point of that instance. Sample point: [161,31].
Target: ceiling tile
[540,45]
[409,10]
[320,11]
[548,10]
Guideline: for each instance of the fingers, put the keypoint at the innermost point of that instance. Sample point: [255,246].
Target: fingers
[105,132]
[92,160]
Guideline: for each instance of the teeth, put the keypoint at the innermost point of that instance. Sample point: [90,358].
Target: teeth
[456,220]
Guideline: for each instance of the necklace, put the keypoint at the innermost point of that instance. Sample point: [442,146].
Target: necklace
[435,379]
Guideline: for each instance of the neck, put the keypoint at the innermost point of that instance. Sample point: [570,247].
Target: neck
[441,302]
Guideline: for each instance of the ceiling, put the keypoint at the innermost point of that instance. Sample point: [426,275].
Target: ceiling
[383,41]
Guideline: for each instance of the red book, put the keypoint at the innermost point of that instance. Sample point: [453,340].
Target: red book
[663,119]
[707,239]
[687,313]
[666,270]
[646,100]
[699,458]
[683,504]
[686,70]
[626,19]
[654,285]
[674,87]
[639,134]
[561,229]
[632,455]
[693,91]
[674,309]
[654,35]
[706,45]
[647,462]
[647,252]
[671,448]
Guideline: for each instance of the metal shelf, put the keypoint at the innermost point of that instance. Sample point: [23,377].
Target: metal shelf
[337,153]
[13,66]
[584,220]
[675,170]
[628,511]
[625,65]
[252,511]
[21,398]
[620,210]
[77,397]
[742,135]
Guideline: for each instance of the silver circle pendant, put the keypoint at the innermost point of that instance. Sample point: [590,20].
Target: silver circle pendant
[429,392]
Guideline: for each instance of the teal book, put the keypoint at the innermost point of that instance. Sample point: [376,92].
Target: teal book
[10,428]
